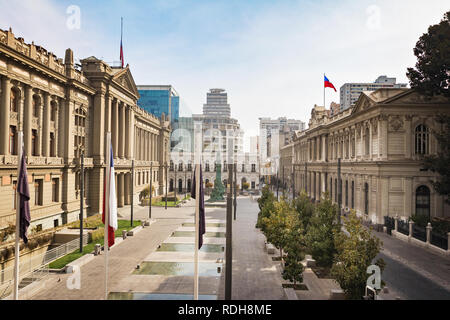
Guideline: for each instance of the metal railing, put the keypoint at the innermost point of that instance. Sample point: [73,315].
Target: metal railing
[36,267]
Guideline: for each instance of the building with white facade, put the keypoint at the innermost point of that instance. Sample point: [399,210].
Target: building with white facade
[350,92]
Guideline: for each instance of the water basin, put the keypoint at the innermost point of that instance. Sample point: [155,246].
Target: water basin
[205,269]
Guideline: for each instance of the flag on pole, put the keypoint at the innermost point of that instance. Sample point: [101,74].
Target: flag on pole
[121,48]
[202,227]
[328,84]
[109,194]
[24,194]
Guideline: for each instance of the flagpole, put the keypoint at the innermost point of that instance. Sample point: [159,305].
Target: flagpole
[324,91]
[16,247]
[197,227]
[106,200]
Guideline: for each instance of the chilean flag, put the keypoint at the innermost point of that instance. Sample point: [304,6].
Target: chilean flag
[109,194]
[328,84]
[121,52]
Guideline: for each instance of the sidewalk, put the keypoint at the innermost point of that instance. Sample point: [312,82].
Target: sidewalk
[255,275]
[122,259]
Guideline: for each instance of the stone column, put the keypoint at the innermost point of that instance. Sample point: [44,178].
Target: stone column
[115,126]
[28,113]
[4,111]
[40,131]
[121,136]
[384,137]
[408,139]
[120,186]
[46,126]
[370,140]
[99,127]
[108,115]
[127,133]
[127,188]
[56,123]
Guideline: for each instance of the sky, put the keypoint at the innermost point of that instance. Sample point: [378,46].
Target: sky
[270,55]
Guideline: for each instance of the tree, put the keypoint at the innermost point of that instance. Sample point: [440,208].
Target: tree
[323,228]
[295,248]
[277,224]
[431,75]
[266,206]
[304,208]
[355,252]
[439,163]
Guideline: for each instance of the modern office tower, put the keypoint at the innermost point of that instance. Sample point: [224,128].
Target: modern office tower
[158,99]
[350,92]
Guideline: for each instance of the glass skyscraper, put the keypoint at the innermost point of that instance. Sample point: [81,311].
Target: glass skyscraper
[159,99]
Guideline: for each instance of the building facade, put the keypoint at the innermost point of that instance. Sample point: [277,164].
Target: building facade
[380,143]
[160,99]
[64,111]
[221,142]
[350,92]
[274,134]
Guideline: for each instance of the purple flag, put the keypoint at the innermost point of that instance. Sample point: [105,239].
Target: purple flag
[24,194]
[201,214]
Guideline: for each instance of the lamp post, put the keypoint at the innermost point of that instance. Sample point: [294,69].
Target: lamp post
[165,167]
[132,192]
[151,189]
[81,148]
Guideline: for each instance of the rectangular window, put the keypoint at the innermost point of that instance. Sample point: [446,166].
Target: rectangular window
[253,167]
[12,140]
[15,194]
[34,141]
[39,227]
[55,223]
[55,190]
[52,144]
[38,190]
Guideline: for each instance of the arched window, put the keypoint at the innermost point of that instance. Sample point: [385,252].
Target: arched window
[180,185]
[180,166]
[346,193]
[423,201]
[189,185]
[171,185]
[422,138]
[366,198]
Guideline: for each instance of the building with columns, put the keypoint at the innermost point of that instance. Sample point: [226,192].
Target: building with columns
[380,142]
[64,110]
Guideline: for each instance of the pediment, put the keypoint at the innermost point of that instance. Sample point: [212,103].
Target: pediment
[125,79]
[413,97]
[364,102]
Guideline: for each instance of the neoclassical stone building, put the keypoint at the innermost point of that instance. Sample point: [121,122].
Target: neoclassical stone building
[380,142]
[63,110]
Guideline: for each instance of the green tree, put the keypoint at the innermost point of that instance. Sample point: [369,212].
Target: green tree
[431,75]
[439,163]
[277,224]
[266,205]
[322,230]
[355,252]
[304,208]
[295,248]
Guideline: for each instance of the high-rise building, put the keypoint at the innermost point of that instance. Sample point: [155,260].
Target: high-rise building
[350,92]
[157,100]
[274,134]
[218,130]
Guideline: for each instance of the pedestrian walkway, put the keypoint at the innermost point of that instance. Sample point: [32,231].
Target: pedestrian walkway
[255,275]
[123,259]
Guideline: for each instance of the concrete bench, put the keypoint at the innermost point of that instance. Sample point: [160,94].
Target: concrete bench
[337,294]
[270,248]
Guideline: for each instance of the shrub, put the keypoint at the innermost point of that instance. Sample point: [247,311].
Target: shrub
[246,185]
[145,193]
[98,234]
[209,185]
